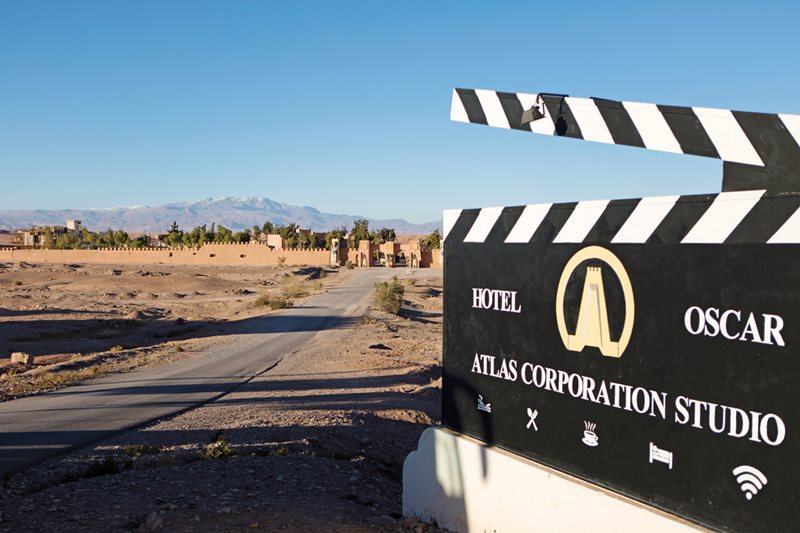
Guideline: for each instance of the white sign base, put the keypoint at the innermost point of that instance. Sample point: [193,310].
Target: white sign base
[464,485]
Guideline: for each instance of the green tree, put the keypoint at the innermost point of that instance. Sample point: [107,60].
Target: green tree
[434,240]
[289,235]
[268,228]
[360,232]
[243,236]
[223,234]
[175,235]
[383,235]
[48,240]
[120,238]
[337,233]
[139,242]
[66,241]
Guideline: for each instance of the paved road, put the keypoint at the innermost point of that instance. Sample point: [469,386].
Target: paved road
[38,427]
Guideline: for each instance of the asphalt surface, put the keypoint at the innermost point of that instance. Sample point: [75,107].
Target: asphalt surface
[36,428]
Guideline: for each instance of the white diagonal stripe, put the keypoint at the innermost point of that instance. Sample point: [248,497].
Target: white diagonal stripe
[653,128]
[581,221]
[645,219]
[728,136]
[789,233]
[545,124]
[449,218]
[457,111]
[483,224]
[792,123]
[528,222]
[723,215]
[490,103]
[593,127]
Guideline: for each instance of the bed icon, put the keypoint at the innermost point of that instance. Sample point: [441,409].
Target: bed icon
[662,456]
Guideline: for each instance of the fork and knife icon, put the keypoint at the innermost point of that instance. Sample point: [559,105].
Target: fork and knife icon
[532,422]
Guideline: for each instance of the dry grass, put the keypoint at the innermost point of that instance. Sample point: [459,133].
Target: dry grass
[295,288]
[273,301]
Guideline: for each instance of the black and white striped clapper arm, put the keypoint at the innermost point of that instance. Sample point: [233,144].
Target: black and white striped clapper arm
[767,146]
[740,217]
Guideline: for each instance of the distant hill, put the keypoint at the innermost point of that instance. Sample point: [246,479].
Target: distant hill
[234,213]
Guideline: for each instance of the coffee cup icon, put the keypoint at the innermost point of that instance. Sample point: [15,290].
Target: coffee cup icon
[589,436]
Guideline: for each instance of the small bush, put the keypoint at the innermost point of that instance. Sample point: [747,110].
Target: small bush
[281,260]
[349,265]
[218,448]
[108,466]
[274,302]
[134,450]
[17,283]
[389,295]
[279,302]
[179,349]
[294,289]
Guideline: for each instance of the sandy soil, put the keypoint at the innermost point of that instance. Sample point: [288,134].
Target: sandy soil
[80,321]
[315,444]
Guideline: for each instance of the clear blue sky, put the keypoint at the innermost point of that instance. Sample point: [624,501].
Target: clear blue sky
[345,105]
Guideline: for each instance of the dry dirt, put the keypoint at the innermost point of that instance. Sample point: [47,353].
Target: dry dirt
[81,321]
[315,444]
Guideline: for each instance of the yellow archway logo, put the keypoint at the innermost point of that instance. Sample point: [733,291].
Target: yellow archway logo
[592,328]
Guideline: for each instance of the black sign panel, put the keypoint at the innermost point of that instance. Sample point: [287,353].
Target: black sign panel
[667,370]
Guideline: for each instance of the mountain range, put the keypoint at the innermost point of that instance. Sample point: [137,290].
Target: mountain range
[236,213]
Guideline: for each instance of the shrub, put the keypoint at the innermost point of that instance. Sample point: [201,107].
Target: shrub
[219,447]
[294,289]
[279,302]
[281,260]
[134,450]
[108,466]
[389,295]
[349,265]
[274,302]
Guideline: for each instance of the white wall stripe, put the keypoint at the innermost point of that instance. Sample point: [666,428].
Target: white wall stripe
[653,128]
[544,125]
[722,217]
[457,111]
[645,219]
[728,136]
[483,224]
[528,222]
[590,121]
[581,221]
[792,123]
[449,218]
[492,108]
[789,233]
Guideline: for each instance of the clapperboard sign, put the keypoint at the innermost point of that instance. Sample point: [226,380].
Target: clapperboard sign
[649,346]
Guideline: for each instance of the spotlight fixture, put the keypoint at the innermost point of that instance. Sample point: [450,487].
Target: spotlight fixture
[535,112]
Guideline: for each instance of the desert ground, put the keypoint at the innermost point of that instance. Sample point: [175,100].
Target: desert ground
[314,444]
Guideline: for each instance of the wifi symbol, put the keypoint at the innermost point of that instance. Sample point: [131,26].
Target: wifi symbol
[750,479]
